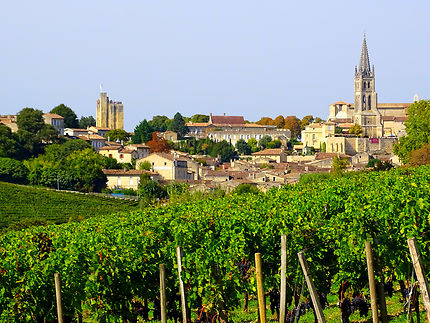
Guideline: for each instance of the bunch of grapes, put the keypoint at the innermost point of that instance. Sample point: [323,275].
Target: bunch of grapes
[275,300]
[244,267]
[358,303]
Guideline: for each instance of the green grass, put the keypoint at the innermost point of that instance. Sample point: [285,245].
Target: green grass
[22,206]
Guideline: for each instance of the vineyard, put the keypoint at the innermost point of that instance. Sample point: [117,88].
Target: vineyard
[109,266]
[19,204]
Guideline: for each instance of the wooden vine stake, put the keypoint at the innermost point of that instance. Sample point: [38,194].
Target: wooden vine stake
[283,301]
[260,288]
[372,285]
[58,297]
[163,293]
[314,296]
[181,285]
[424,287]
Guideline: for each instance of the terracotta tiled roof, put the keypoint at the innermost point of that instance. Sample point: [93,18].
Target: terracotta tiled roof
[275,151]
[127,172]
[346,125]
[340,102]
[225,120]
[53,115]
[197,124]
[91,137]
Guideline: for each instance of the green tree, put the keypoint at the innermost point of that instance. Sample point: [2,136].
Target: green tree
[118,134]
[87,165]
[142,132]
[48,134]
[178,125]
[252,142]
[145,165]
[338,130]
[417,130]
[243,147]
[223,149]
[30,120]
[8,142]
[264,141]
[199,118]
[149,190]
[159,123]
[13,171]
[70,118]
[355,130]
[274,144]
[86,122]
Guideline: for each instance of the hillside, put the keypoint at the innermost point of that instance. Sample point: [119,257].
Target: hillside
[27,204]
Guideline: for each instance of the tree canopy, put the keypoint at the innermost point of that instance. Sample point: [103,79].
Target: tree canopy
[223,149]
[242,147]
[9,146]
[159,123]
[199,118]
[142,132]
[177,124]
[293,124]
[417,130]
[118,134]
[70,118]
[86,122]
[158,144]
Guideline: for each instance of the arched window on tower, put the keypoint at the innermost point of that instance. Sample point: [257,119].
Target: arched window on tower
[369,103]
[364,102]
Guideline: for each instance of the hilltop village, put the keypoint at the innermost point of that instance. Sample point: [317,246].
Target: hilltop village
[221,151]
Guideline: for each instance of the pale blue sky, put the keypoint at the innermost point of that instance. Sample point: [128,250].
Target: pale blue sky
[251,58]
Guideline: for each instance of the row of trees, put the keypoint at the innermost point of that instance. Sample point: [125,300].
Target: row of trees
[294,124]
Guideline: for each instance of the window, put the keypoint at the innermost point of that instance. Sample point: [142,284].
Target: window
[121,156]
[131,181]
[165,163]
[369,103]
[274,179]
[110,155]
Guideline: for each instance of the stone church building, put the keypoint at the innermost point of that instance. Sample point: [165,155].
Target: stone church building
[376,119]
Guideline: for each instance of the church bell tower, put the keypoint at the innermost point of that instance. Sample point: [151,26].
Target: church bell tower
[366,113]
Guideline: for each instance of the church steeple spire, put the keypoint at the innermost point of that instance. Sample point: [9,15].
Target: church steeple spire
[364,67]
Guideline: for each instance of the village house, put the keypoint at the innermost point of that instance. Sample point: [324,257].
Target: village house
[95,140]
[125,179]
[55,120]
[276,155]
[168,166]
[74,132]
[101,131]
[234,128]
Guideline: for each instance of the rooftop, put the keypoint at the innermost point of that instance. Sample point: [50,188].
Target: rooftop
[265,152]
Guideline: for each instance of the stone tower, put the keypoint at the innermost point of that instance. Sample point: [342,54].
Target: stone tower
[109,114]
[366,113]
